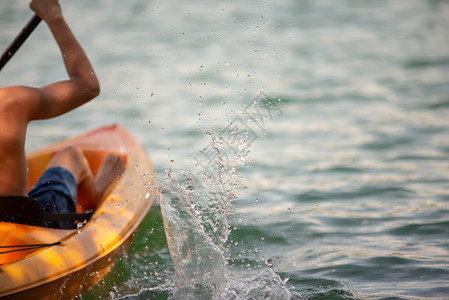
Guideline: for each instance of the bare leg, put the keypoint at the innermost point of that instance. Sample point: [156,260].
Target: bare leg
[91,189]
[111,168]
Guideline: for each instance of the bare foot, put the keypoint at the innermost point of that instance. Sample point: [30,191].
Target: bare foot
[111,168]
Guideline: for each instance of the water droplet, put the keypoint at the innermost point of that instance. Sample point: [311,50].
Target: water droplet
[270,263]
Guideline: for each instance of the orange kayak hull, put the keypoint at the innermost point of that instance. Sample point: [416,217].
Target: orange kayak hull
[84,255]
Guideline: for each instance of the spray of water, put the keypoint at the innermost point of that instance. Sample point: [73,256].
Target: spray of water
[200,267]
[195,207]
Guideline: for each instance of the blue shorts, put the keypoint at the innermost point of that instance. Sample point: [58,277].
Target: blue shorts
[56,193]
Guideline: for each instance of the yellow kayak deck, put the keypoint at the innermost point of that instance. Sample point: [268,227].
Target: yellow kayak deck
[82,256]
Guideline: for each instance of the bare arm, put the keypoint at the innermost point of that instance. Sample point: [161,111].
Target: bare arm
[60,97]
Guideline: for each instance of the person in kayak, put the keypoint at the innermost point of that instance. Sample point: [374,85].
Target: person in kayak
[68,171]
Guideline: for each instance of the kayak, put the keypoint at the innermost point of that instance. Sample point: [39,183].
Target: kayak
[45,263]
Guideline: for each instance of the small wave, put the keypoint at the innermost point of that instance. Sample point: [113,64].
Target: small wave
[364,191]
[429,229]
[424,62]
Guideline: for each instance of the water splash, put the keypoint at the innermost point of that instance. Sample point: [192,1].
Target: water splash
[194,235]
[265,285]
[195,208]
[195,221]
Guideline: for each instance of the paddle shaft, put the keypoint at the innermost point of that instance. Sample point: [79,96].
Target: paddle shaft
[19,40]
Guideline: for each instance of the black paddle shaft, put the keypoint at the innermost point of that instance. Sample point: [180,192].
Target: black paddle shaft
[19,40]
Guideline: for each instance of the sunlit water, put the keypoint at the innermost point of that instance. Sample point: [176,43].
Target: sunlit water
[342,186]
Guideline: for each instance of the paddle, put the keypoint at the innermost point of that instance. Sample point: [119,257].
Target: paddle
[19,40]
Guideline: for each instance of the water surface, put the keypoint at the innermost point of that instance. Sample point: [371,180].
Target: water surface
[344,188]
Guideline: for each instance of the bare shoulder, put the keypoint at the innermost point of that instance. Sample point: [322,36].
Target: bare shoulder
[19,93]
[16,106]
[22,100]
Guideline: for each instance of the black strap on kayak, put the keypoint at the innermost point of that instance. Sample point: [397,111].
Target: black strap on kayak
[71,217]
[16,248]
[25,210]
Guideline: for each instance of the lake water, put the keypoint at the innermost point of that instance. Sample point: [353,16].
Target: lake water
[316,131]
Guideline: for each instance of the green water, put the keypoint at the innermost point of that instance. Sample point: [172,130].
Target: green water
[345,187]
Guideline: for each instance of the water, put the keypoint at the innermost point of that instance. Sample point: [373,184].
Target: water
[341,193]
